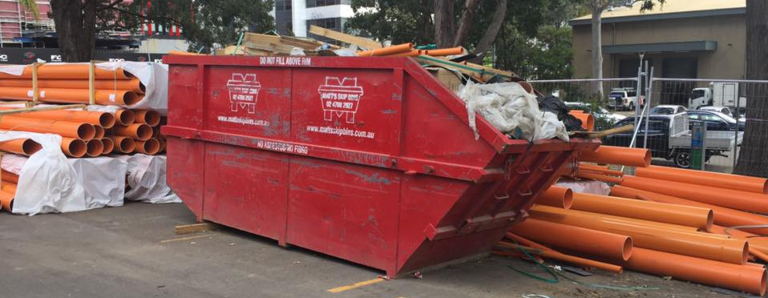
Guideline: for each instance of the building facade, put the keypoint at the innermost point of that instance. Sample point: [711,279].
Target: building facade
[296,16]
[681,39]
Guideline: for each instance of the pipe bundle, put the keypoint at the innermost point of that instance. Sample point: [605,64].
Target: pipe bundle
[70,83]
[691,225]
[407,50]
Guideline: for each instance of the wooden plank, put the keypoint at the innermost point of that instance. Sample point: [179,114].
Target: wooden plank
[194,228]
[346,38]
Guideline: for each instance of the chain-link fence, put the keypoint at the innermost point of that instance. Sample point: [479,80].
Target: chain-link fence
[675,106]
[720,106]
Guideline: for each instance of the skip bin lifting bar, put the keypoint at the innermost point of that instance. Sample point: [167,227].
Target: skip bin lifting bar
[409,188]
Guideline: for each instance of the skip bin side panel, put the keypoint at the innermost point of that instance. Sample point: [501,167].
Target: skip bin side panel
[246,189]
[186,172]
[185,96]
[350,109]
[432,132]
[248,101]
[344,210]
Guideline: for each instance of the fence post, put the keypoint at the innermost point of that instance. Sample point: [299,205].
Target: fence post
[648,104]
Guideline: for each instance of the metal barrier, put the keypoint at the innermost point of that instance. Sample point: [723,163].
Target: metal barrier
[673,106]
[720,104]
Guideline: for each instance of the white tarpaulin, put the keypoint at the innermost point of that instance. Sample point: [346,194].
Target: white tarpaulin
[77,184]
[47,182]
[147,179]
[512,110]
[586,186]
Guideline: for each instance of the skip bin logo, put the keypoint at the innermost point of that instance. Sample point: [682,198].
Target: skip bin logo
[3,58]
[340,97]
[243,92]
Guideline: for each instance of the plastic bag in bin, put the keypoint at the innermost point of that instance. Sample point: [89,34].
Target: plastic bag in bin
[340,97]
[243,92]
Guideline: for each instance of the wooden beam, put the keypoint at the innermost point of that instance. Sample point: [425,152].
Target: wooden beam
[194,228]
[346,38]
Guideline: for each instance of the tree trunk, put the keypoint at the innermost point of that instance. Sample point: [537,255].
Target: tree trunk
[75,22]
[465,23]
[493,30]
[426,21]
[753,157]
[445,25]
[597,51]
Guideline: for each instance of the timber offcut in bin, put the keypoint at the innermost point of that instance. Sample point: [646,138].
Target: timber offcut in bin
[367,159]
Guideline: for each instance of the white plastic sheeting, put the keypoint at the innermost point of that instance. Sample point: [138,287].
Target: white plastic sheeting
[47,182]
[147,179]
[52,183]
[512,110]
[584,186]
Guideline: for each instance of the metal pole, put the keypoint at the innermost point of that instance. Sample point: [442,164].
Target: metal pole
[648,105]
[638,92]
[736,136]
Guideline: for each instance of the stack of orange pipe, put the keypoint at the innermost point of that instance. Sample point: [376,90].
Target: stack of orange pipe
[138,132]
[670,236]
[69,83]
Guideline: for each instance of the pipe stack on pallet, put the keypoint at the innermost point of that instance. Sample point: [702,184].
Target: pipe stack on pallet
[663,221]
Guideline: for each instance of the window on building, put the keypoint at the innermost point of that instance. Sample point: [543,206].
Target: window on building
[331,23]
[315,3]
[279,5]
[288,5]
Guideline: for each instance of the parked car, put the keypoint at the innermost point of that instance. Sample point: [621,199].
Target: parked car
[624,98]
[724,110]
[716,121]
[668,110]
[599,113]
[669,138]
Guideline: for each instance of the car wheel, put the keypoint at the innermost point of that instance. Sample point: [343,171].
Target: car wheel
[631,106]
[683,159]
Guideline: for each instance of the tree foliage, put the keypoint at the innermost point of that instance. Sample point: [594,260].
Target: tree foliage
[534,39]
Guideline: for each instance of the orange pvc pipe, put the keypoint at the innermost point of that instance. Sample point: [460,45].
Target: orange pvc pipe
[125,117]
[9,187]
[397,49]
[138,131]
[109,146]
[133,84]
[723,216]
[740,200]
[55,95]
[587,120]
[83,131]
[149,117]
[600,170]
[598,177]
[20,146]
[729,181]
[69,72]
[652,236]
[556,196]
[94,148]
[73,147]
[10,177]
[551,254]
[758,254]
[6,200]
[755,242]
[581,240]
[124,144]
[412,53]
[745,278]
[697,217]
[149,147]
[100,132]
[445,52]
[163,143]
[106,120]
[617,155]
